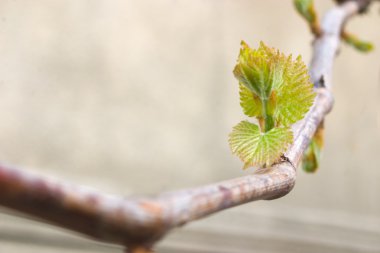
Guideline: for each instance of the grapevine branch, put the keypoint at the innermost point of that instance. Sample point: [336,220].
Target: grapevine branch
[138,223]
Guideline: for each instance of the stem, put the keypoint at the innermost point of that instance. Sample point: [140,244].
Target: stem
[268,119]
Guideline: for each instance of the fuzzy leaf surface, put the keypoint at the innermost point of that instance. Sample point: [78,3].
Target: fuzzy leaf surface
[250,102]
[295,95]
[256,148]
[255,69]
[280,86]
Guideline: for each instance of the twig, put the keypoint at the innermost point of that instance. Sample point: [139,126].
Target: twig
[139,222]
[326,46]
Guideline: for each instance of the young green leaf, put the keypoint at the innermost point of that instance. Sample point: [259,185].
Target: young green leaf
[250,102]
[280,87]
[256,148]
[295,95]
[253,69]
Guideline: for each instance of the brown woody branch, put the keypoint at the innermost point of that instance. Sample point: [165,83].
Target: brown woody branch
[138,223]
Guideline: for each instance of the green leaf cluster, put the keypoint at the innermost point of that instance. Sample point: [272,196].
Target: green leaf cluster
[276,90]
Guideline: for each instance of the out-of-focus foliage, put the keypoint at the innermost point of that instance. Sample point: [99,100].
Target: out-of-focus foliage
[312,157]
[306,9]
[362,46]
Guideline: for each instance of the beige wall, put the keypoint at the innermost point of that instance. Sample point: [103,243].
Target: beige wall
[138,97]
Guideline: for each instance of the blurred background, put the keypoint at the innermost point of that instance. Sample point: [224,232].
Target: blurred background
[138,97]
